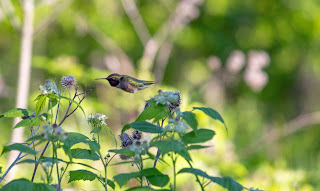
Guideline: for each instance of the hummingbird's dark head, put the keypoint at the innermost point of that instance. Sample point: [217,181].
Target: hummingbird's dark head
[114,79]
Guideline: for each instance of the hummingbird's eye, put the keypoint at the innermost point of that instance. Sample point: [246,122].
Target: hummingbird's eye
[113,78]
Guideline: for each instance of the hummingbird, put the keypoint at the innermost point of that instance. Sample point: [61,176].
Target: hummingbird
[127,83]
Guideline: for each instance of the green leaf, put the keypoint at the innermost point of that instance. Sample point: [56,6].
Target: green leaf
[34,138]
[96,130]
[17,113]
[212,113]
[146,127]
[71,100]
[154,111]
[83,154]
[124,128]
[26,185]
[74,138]
[202,135]
[226,182]
[32,161]
[123,152]
[191,119]
[52,103]
[107,129]
[19,147]
[172,146]
[156,177]
[193,147]
[81,175]
[40,104]
[29,122]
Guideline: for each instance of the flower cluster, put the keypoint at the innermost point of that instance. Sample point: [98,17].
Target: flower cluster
[168,98]
[48,88]
[133,144]
[97,120]
[69,81]
[54,133]
[176,125]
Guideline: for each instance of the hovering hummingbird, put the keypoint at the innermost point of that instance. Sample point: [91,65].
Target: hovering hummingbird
[127,83]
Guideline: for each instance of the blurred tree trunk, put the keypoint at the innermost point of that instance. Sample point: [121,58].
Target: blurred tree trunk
[24,76]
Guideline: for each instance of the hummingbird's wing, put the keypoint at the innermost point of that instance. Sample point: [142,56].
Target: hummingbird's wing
[125,85]
[139,83]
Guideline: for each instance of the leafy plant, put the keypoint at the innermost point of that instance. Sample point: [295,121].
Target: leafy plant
[175,133]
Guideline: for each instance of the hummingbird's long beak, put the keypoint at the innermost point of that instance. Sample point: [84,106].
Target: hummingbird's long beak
[100,79]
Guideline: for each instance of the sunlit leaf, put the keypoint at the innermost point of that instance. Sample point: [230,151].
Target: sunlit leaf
[29,122]
[17,113]
[40,104]
[81,175]
[154,111]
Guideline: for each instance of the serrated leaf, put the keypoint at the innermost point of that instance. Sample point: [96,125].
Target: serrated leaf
[191,119]
[154,111]
[172,146]
[202,135]
[29,122]
[81,175]
[226,182]
[212,113]
[123,152]
[146,127]
[83,154]
[18,112]
[26,185]
[71,100]
[109,182]
[18,147]
[40,104]
[158,179]
[74,138]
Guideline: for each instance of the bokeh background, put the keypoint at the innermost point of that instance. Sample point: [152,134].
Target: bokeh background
[256,62]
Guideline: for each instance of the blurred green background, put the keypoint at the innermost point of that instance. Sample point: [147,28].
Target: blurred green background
[256,62]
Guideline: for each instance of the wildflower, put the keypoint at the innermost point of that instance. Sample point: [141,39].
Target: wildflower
[97,120]
[54,133]
[176,125]
[136,134]
[168,98]
[48,88]
[125,140]
[68,81]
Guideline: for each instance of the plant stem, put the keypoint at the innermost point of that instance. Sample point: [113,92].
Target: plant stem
[174,172]
[198,180]
[105,176]
[37,164]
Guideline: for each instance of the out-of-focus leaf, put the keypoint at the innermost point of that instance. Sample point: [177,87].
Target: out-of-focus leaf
[123,152]
[26,185]
[84,154]
[226,182]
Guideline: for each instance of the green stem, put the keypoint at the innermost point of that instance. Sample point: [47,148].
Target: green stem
[174,172]
[105,177]
[57,166]
[198,180]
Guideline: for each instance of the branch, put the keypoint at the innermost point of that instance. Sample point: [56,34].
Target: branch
[297,124]
[136,20]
